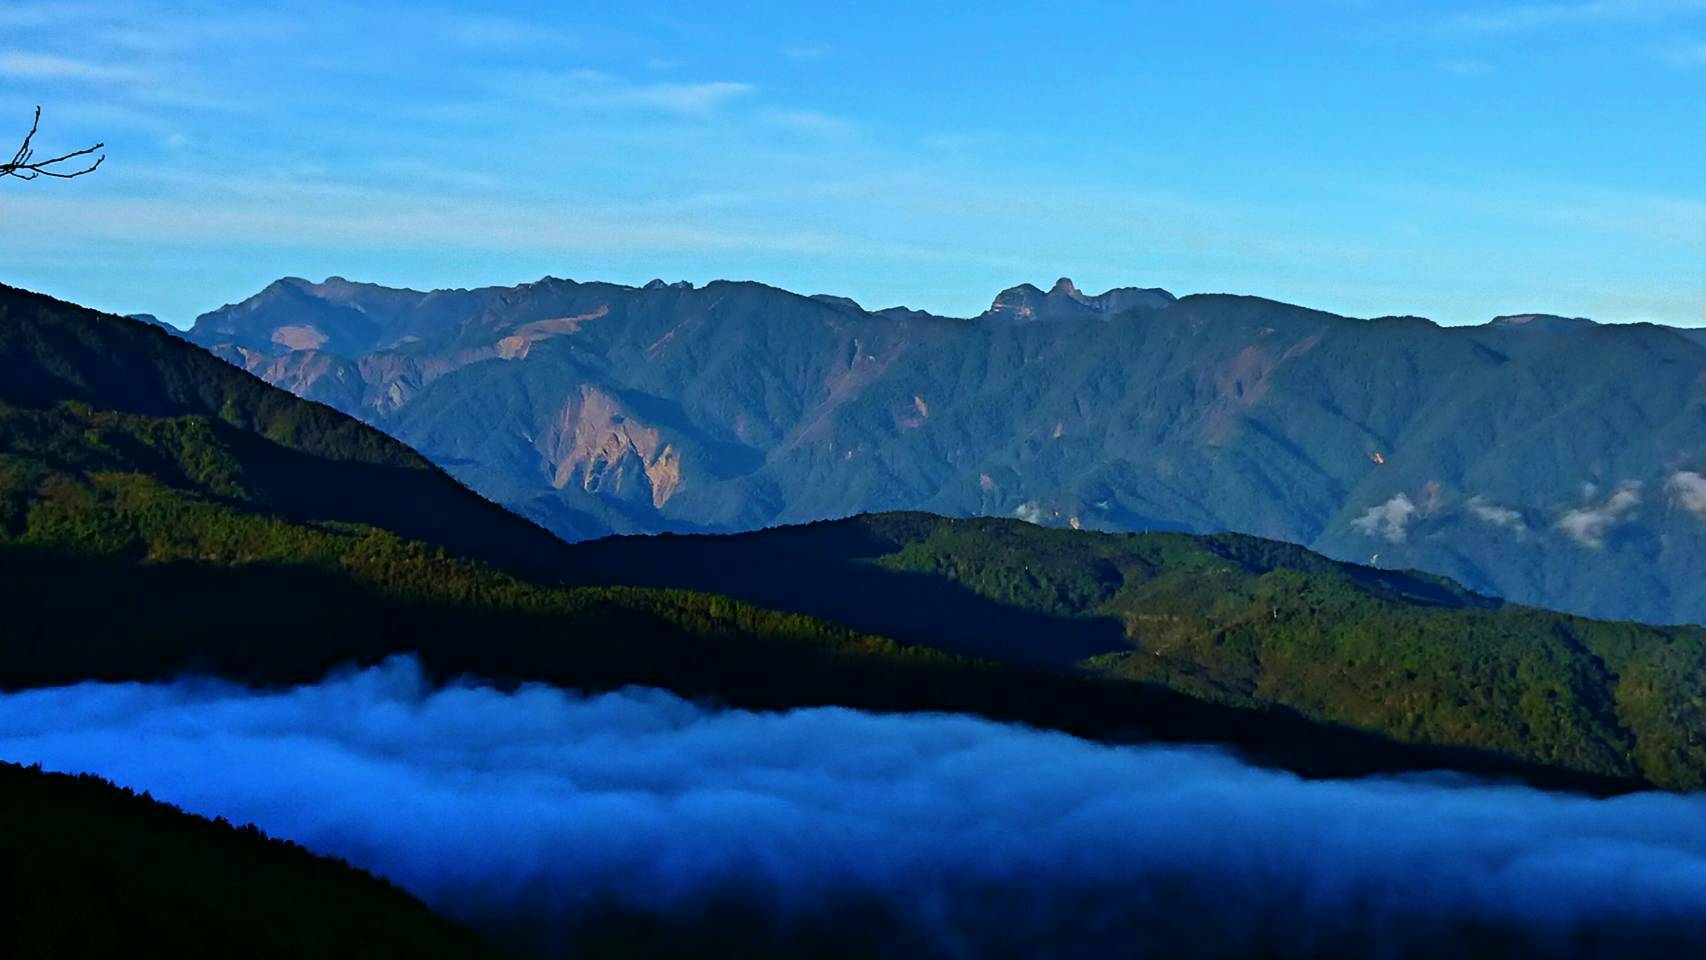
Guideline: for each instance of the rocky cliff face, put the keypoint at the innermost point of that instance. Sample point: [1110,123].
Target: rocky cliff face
[1064,301]
[596,445]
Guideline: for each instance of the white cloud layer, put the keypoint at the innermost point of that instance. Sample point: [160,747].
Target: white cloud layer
[522,812]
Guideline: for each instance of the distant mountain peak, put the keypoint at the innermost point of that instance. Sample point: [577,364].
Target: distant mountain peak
[152,320]
[845,303]
[1541,323]
[1064,301]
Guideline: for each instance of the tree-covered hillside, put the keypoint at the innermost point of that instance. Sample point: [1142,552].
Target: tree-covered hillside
[105,395]
[91,870]
[1232,620]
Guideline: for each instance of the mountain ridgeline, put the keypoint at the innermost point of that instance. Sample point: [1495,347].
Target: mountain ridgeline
[1547,460]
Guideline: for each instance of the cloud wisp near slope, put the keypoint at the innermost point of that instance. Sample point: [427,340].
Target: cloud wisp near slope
[538,816]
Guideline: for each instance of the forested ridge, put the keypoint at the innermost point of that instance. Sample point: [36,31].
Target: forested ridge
[1232,620]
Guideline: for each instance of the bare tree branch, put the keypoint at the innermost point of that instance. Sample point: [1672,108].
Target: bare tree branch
[24,166]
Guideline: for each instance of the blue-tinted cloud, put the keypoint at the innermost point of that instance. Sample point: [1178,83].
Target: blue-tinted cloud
[533,810]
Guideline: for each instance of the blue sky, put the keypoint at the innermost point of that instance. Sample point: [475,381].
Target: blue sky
[1453,160]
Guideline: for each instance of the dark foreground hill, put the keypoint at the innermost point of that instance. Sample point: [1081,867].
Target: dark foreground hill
[1547,460]
[161,512]
[125,399]
[89,870]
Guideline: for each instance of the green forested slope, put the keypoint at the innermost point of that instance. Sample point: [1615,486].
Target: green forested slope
[113,395]
[1229,619]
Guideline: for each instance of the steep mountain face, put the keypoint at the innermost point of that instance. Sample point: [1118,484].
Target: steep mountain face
[1548,460]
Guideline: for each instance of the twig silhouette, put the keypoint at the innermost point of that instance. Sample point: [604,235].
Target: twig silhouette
[24,166]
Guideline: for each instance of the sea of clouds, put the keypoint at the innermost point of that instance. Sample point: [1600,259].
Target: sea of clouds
[530,813]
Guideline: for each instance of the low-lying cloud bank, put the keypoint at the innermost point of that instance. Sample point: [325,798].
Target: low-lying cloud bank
[532,813]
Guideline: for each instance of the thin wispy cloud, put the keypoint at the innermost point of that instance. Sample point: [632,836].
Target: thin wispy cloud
[1684,54]
[1540,16]
[120,53]
[1467,68]
[504,33]
[596,90]
[35,14]
[807,121]
[287,214]
[805,52]
[1495,515]
[25,65]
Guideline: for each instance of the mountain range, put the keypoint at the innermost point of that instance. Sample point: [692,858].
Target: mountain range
[1547,460]
[230,528]
[163,513]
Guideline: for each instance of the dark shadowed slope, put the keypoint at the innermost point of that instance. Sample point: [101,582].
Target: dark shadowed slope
[88,869]
[128,392]
[1544,459]
[1230,619]
[142,544]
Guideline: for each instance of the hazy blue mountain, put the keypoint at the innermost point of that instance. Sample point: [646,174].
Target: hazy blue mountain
[1549,460]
